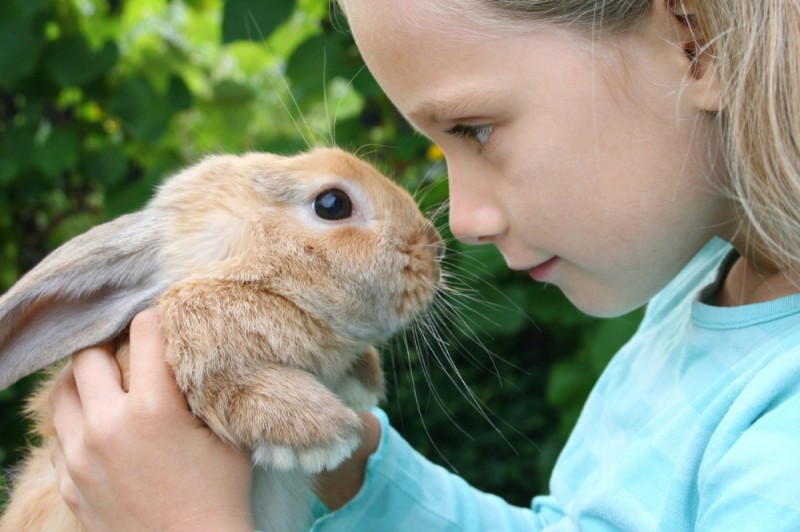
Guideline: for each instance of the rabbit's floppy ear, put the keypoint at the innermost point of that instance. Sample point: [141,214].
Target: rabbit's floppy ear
[82,294]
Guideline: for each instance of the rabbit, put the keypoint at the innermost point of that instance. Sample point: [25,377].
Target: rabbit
[275,277]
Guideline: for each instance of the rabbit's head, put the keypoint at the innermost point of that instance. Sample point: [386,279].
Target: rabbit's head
[323,229]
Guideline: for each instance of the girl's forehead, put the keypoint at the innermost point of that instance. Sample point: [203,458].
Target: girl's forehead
[456,19]
[415,60]
[443,31]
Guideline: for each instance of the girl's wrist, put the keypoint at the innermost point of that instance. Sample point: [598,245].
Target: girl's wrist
[337,487]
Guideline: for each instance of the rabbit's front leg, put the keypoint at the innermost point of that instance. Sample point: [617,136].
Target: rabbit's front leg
[285,416]
[246,358]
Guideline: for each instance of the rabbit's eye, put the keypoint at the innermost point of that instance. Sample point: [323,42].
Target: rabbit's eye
[333,204]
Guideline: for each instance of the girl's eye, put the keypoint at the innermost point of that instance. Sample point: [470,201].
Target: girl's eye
[479,134]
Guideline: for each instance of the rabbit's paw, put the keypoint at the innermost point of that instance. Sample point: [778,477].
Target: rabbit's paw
[311,459]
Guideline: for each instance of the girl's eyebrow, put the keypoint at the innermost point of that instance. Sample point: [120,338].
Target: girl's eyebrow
[438,108]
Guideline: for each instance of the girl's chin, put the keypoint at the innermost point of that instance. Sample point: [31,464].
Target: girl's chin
[603,303]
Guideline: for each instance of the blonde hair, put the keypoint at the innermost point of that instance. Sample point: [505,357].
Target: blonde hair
[756,47]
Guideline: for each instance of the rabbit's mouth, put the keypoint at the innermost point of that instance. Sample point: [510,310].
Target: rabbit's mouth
[422,275]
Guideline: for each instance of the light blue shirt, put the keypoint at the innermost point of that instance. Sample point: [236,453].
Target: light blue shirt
[694,425]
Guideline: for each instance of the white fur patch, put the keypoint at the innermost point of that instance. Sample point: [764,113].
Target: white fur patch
[357,396]
[311,460]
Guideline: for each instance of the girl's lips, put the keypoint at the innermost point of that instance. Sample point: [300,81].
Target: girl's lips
[541,272]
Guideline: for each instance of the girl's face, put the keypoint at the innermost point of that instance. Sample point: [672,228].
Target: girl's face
[580,161]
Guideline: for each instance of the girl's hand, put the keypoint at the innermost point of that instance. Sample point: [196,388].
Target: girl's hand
[140,460]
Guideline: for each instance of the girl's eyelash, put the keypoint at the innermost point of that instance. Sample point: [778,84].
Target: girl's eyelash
[479,133]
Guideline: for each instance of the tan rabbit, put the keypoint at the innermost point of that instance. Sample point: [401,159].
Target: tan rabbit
[275,277]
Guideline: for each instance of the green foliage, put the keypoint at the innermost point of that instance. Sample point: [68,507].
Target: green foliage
[253,21]
[100,99]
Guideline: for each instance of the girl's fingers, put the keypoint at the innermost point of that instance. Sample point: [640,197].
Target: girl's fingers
[151,377]
[97,376]
[66,486]
[65,405]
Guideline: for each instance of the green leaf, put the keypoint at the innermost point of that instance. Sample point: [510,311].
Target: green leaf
[493,311]
[608,338]
[19,51]
[412,146]
[312,64]
[132,195]
[365,83]
[550,307]
[7,395]
[17,151]
[144,111]
[59,150]
[253,20]
[30,186]
[70,226]
[570,382]
[230,92]
[71,62]
[106,165]
[127,198]
[135,102]
[31,8]
[178,95]
[487,261]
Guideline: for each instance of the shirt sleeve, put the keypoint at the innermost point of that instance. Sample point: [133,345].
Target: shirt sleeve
[754,482]
[404,491]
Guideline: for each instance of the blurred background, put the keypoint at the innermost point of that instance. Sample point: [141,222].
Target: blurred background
[101,99]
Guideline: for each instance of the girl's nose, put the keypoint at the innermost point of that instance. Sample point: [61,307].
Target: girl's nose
[476,216]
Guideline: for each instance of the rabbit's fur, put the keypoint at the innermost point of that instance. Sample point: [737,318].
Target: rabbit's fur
[270,311]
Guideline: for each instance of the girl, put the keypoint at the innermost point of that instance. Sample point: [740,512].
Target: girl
[627,151]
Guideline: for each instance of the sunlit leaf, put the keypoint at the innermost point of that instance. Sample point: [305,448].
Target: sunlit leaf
[230,92]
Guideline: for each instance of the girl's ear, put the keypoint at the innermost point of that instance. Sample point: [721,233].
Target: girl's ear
[83,294]
[701,71]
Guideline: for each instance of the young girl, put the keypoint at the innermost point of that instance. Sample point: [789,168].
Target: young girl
[626,151]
